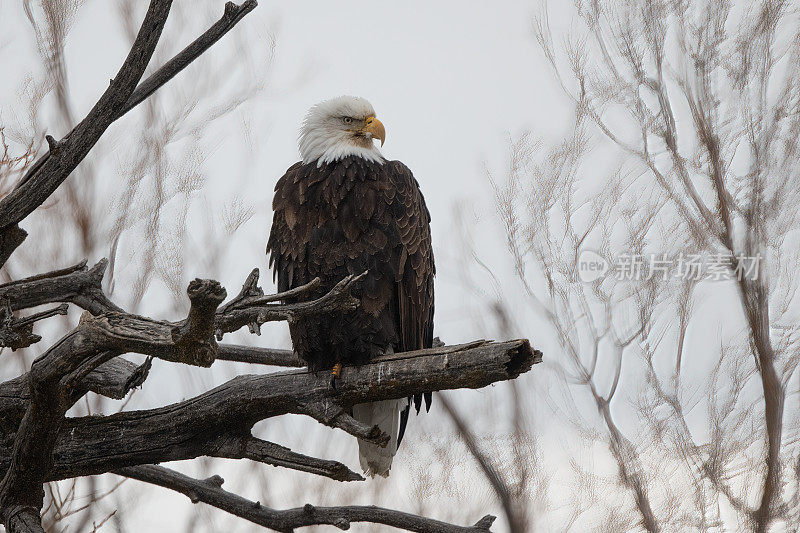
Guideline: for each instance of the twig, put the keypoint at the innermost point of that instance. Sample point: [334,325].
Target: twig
[499,485]
[258,355]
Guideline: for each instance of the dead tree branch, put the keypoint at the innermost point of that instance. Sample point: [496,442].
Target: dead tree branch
[219,421]
[210,491]
[200,425]
[123,94]
[66,153]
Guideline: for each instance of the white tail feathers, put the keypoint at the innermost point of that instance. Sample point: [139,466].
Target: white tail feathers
[386,415]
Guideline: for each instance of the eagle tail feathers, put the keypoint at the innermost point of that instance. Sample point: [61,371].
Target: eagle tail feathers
[386,415]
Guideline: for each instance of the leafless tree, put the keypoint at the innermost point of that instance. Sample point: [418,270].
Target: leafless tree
[147,208]
[40,443]
[692,106]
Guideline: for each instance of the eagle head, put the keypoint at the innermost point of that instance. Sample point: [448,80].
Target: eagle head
[341,127]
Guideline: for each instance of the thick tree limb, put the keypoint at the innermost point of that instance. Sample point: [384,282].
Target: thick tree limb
[10,240]
[97,444]
[210,491]
[113,379]
[116,378]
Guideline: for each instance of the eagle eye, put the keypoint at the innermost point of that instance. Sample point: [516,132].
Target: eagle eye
[347,120]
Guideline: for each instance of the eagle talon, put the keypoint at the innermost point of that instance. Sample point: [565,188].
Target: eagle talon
[335,373]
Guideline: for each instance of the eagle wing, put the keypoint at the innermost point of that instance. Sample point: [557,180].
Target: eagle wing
[415,271]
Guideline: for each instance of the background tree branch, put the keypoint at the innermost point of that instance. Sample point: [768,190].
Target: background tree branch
[210,491]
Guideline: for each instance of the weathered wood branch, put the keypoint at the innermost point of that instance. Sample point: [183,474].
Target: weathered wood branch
[258,355]
[114,332]
[96,444]
[218,422]
[249,447]
[77,284]
[117,377]
[21,490]
[17,332]
[101,444]
[113,379]
[10,239]
[74,147]
[210,491]
[230,18]
[63,156]
[255,312]
[62,370]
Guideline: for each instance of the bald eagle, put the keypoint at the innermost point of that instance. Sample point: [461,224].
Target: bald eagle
[345,209]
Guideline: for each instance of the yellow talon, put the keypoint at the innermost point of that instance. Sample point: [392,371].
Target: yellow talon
[337,369]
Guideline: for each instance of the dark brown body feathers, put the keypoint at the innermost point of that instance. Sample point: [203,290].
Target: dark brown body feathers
[344,218]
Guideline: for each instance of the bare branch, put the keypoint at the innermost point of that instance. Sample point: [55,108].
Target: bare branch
[92,445]
[248,447]
[233,14]
[515,518]
[73,148]
[76,284]
[210,491]
[47,173]
[254,314]
[17,332]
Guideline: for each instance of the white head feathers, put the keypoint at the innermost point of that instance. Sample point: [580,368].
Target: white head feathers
[338,128]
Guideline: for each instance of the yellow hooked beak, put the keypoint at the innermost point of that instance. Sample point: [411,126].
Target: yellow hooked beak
[375,128]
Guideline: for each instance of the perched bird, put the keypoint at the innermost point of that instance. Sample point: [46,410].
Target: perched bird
[345,209]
